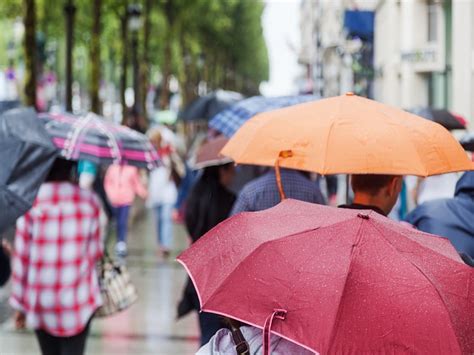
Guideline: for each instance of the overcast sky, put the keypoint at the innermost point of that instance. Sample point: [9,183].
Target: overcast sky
[281,29]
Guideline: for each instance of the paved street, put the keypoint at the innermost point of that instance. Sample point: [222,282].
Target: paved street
[149,327]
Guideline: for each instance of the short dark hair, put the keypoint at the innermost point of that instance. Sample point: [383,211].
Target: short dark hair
[371,183]
[62,170]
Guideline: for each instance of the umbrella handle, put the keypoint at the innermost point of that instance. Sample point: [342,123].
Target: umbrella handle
[278,314]
[283,154]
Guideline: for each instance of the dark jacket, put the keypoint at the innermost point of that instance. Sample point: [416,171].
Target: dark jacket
[208,204]
[451,217]
[5,269]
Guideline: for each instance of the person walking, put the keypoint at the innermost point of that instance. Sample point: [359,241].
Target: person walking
[122,183]
[375,192]
[208,204]
[452,218]
[163,191]
[58,242]
[250,340]
[262,193]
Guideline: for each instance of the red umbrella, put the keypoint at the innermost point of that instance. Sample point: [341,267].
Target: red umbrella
[336,281]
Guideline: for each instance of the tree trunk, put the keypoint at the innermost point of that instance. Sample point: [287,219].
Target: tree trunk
[94,56]
[165,83]
[145,66]
[29,20]
[123,78]
[69,11]
[183,74]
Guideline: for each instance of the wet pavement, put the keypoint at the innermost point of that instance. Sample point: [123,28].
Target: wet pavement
[149,326]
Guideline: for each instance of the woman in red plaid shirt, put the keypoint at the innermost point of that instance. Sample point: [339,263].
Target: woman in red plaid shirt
[57,244]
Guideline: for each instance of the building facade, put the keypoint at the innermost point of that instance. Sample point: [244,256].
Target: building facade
[424,54]
[328,53]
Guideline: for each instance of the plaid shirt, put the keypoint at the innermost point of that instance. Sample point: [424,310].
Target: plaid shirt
[57,245]
[262,193]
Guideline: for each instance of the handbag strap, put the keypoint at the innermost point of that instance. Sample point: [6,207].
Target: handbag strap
[241,345]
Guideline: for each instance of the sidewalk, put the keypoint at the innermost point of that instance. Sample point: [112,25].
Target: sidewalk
[148,327]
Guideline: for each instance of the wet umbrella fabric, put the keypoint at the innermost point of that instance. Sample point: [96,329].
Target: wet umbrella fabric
[347,134]
[447,119]
[26,153]
[467,142]
[92,138]
[209,105]
[338,281]
[230,120]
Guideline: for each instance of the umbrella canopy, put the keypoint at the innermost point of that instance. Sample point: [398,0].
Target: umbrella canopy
[447,119]
[467,142]
[92,138]
[230,120]
[209,153]
[336,281]
[26,153]
[209,105]
[348,135]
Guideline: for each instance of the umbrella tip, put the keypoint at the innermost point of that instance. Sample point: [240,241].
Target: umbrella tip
[363,215]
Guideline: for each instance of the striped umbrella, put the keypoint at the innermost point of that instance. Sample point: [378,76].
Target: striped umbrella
[92,138]
[230,120]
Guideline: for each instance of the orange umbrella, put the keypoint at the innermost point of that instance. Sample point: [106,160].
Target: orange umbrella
[347,135]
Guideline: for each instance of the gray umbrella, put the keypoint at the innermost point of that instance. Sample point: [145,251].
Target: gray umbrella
[26,155]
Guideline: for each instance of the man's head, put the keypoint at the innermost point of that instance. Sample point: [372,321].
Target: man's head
[377,190]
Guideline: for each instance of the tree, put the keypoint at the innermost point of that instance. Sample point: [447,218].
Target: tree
[145,62]
[29,20]
[69,11]
[95,57]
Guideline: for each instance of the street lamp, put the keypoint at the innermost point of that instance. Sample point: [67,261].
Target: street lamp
[134,24]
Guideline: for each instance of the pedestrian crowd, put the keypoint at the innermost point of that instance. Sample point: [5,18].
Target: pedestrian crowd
[60,240]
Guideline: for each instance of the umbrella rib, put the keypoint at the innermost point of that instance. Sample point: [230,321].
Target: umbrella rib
[424,275]
[253,252]
[409,141]
[78,128]
[101,126]
[359,236]
[327,147]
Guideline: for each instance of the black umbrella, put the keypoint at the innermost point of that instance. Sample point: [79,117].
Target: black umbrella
[26,155]
[207,106]
[445,118]
[467,142]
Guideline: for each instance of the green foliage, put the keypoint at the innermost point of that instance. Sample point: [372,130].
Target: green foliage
[218,41]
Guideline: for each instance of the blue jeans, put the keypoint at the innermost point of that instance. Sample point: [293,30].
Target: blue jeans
[164,224]
[121,215]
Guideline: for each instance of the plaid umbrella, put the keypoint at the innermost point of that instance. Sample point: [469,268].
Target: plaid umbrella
[230,120]
[207,106]
[92,138]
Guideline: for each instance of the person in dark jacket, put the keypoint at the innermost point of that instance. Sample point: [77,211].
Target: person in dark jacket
[450,217]
[209,203]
